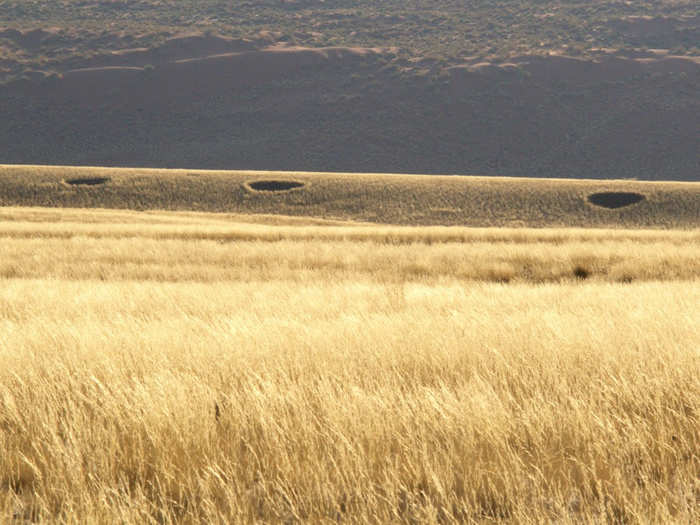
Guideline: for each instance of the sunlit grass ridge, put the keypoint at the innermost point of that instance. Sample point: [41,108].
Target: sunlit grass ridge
[377,198]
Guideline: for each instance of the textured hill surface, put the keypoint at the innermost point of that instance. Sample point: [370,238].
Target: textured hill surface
[551,89]
[386,199]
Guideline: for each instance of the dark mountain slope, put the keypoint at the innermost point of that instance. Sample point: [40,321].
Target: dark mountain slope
[359,109]
[510,87]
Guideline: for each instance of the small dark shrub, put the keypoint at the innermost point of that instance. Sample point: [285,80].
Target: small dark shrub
[581,273]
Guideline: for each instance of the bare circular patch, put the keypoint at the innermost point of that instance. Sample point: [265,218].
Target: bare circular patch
[88,181]
[274,185]
[615,199]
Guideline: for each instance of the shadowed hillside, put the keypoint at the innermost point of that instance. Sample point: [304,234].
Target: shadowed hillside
[499,88]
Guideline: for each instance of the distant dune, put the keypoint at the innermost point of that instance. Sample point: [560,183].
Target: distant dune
[207,101]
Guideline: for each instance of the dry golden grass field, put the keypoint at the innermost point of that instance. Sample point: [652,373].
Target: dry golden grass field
[189,367]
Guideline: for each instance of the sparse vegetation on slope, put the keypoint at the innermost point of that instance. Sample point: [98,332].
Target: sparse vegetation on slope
[393,199]
[440,29]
